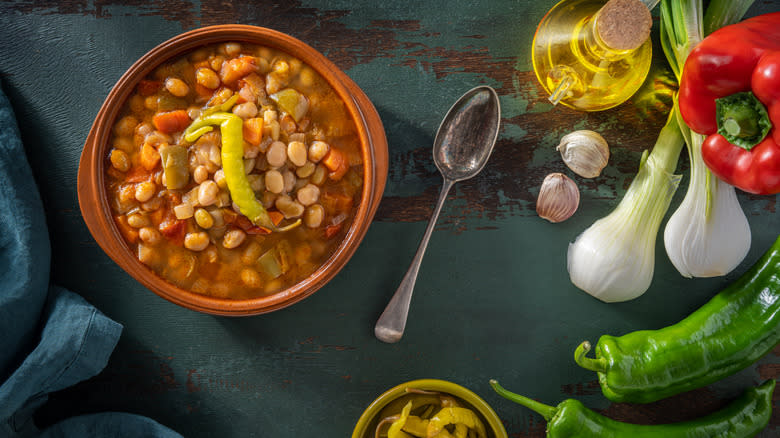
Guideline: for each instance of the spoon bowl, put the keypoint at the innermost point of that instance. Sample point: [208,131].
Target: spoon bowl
[467,134]
[461,148]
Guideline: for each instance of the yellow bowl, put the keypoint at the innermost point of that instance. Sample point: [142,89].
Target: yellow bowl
[367,422]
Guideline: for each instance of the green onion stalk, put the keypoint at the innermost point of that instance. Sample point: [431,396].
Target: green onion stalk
[614,258]
[708,235]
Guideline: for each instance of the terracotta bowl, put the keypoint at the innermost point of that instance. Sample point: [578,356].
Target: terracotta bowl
[367,422]
[94,201]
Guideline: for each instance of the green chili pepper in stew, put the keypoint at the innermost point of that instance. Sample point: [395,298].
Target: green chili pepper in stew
[233,165]
[744,417]
[729,333]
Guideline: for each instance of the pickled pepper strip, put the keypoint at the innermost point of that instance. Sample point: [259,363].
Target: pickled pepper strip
[231,128]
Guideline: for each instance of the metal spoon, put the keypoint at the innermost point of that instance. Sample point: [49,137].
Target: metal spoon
[462,146]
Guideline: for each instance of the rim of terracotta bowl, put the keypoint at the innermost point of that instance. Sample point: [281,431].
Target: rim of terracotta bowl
[487,412]
[93,200]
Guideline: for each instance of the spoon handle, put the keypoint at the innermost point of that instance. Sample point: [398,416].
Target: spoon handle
[390,326]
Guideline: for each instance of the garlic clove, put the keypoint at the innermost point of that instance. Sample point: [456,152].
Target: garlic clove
[558,198]
[585,152]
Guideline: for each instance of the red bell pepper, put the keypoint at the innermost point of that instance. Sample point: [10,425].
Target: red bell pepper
[730,91]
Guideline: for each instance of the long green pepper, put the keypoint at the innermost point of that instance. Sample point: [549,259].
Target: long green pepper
[744,417]
[733,330]
[232,155]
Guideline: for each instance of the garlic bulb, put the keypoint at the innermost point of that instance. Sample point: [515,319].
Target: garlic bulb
[558,198]
[585,152]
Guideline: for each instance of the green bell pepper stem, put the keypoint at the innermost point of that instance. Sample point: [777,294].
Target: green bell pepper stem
[231,127]
[598,365]
[742,119]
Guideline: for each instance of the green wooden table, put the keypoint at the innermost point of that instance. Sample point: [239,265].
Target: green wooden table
[493,299]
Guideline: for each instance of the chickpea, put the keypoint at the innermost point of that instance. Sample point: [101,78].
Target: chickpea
[207,192]
[125,126]
[177,87]
[137,220]
[308,194]
[313,216]
[297,153]
[207,77]
[200,174]
[274,181]
[196,241]
[149,235]
[245,110]
[119,160]
[318,150]
[250,278]
[203,218]
[144,191]
[277,154]
[233,239]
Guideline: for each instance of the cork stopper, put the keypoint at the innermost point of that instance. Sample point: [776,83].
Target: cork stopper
[624,24]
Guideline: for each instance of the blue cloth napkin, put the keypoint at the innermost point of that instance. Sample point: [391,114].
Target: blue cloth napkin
[50,338]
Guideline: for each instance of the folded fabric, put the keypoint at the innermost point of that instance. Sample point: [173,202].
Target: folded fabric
[51,338]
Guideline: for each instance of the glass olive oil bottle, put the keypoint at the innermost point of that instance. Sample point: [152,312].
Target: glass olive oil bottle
[593,55]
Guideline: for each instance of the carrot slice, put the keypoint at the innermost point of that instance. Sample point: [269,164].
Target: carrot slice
[149,157]
[236,69]
[171,121]
[253,130]
[276,217]
[337,163]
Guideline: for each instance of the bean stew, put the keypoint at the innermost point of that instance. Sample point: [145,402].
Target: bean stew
[235,171]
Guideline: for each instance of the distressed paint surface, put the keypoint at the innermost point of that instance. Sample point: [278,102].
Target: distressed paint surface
[492,298]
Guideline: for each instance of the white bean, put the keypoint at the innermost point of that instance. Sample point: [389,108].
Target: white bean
[233,239]
[274,181]
[144,191]
[308,194]
[196,241]
[313,216]
[200,174]
[297,153]
[277,154]
[318,150]
[207,192]
[289,181]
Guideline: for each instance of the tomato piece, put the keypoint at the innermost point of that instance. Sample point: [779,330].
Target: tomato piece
[148,87]
[138,174]
[332,230]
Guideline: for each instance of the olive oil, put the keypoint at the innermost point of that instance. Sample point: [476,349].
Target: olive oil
[578,67]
